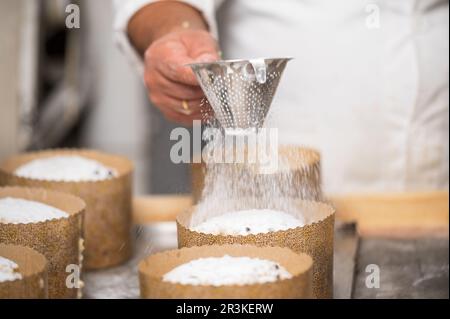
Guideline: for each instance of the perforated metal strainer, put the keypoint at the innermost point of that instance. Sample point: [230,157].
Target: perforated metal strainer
[240,91]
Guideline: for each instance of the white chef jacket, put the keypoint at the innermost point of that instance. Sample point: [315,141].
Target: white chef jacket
[368,86]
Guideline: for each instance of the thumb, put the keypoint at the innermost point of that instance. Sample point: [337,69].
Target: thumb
[207,57]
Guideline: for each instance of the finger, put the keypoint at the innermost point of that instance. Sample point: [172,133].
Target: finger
[171,55]
[170,59]
[163,102]
[180,71]
[191,107]
[173,116]
[177,70]
[202,47]
[176,67]
[174,89]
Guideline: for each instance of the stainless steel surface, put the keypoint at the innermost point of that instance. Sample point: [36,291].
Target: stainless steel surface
[122,281]
[240,91]
[408,268]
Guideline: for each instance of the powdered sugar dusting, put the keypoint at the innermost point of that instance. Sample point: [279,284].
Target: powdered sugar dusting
[8,270]
[66,168]
[227,270]
[17,210]
[246,222]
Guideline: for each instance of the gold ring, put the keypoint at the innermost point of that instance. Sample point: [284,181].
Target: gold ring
[185,105]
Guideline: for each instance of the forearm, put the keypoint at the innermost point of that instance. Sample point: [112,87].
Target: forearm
[159,18]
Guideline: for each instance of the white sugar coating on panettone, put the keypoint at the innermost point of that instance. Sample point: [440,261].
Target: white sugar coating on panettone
[8,270]
[22,211]
[227,270]
[71,168]
[246,222]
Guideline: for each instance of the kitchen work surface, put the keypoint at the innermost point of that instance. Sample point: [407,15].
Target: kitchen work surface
[122,281]
[413,268]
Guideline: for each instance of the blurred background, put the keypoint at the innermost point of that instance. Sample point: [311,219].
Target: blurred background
[60,87]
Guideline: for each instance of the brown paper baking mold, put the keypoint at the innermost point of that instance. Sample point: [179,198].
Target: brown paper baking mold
[303,162]
[314,239]
[59,240]
[108,203]
[32,267]
[152,269]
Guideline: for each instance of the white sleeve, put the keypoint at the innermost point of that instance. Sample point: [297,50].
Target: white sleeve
[125,9]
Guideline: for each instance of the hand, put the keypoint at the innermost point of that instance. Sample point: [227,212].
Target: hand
[169,81]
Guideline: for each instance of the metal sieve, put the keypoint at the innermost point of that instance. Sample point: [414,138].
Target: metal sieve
[240,92]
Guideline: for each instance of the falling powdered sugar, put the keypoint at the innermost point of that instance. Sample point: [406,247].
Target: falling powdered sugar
[66,168]
[227,270]
[243,168]
[21,211]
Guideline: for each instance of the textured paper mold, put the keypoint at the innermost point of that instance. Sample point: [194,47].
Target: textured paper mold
[57,239]
[303,163]
[314,239]
[108,203]
[32,267]
[152,269]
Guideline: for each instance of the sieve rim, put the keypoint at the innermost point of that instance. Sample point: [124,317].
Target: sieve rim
[230,61]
